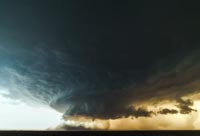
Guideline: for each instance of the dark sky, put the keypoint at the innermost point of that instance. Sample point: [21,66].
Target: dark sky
[76,55]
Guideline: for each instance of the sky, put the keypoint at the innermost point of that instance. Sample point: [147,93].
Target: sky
[16,115]
[99,65]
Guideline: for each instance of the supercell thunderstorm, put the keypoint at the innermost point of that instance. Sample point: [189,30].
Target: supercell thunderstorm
[101,74]
[74,89]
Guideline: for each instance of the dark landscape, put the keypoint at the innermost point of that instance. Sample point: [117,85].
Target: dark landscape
[100,133]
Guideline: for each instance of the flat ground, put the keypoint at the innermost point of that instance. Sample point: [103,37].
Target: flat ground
[99,133]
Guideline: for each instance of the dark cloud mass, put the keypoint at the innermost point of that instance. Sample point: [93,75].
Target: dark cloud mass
[185,106]
[98,59]
[168,111]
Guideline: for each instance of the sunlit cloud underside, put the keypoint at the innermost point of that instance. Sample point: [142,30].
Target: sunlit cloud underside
[16,115]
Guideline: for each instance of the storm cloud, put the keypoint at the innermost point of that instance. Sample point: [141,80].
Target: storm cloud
[185,106]
[168,111]
[74,90]
[100,70]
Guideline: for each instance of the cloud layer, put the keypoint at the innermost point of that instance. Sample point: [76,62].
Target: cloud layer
[52,78]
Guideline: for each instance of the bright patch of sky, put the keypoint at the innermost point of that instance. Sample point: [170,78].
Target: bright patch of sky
[16,115]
